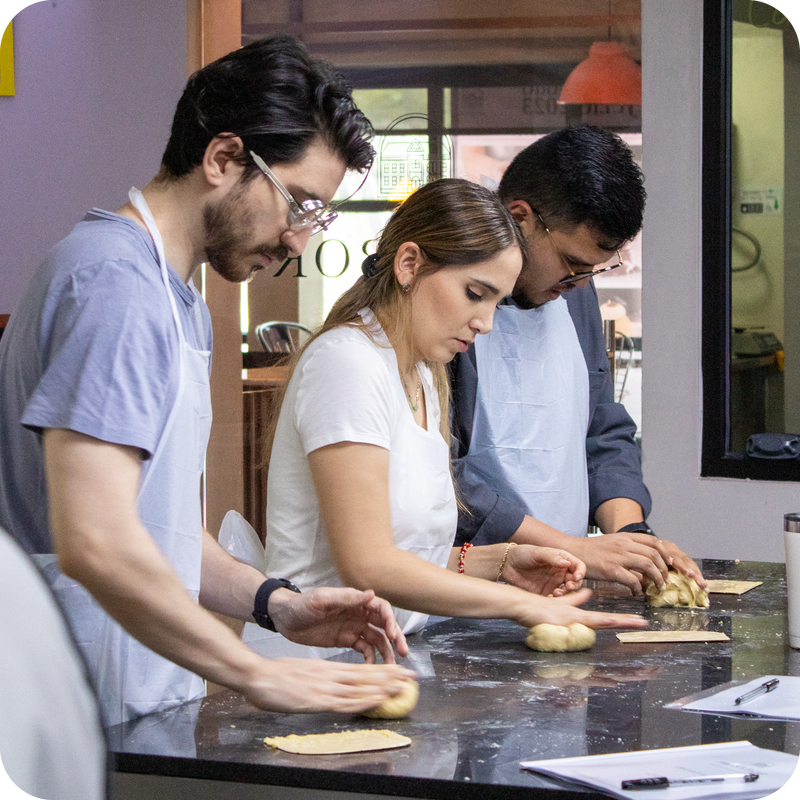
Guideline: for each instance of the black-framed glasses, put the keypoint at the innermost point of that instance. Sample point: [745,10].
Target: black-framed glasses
[573,276]
[313,214]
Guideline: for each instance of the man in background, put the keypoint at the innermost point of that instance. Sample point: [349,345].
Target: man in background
[541,449]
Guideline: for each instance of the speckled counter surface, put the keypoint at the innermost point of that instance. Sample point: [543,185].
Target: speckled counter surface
[487,702]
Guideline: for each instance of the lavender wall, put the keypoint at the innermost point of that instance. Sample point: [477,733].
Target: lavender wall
[96,85]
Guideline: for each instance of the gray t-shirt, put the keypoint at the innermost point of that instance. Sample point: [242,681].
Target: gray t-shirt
[92,347]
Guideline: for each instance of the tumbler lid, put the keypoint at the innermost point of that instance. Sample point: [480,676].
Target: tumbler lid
[791,522]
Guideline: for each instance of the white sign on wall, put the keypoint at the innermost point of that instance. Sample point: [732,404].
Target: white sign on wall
[761,201]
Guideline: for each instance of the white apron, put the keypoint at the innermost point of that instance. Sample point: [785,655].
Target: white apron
[532,414]
[131,679]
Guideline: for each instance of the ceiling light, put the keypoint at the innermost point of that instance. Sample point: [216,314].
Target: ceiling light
[608,75]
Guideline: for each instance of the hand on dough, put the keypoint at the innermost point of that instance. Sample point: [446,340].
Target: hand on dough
[679,590]
[398,706]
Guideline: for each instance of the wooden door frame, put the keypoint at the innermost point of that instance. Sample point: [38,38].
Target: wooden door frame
[214,28]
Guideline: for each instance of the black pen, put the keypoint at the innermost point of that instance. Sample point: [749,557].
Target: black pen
[765,687]
[664,783]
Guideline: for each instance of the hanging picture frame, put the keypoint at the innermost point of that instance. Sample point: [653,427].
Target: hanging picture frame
[7,61]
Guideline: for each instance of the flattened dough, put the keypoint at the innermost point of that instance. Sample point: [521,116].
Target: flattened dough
[678,591]
[398,706]
[320,744]
[548,638]
[732,587]
[672,636]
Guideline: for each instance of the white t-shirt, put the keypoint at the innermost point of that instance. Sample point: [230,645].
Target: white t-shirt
[347,388]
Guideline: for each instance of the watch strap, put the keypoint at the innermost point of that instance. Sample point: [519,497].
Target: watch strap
[261,603]
[637,527]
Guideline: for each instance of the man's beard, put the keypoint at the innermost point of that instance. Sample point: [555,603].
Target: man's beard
[522,300]
[228,224]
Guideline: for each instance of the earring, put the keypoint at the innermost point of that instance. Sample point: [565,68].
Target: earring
[406,287]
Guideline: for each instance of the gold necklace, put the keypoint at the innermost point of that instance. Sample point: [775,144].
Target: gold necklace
[415,404]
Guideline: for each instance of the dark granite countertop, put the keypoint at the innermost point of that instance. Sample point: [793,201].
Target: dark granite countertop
[487,702]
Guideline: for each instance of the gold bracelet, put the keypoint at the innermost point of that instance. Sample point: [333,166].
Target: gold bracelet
[503,562]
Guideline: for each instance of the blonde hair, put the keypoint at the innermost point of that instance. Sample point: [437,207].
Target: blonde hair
[454,223]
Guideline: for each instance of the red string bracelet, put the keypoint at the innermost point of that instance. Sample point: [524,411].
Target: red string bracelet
[461,556]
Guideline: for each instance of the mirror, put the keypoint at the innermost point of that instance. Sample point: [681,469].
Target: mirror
[751,203]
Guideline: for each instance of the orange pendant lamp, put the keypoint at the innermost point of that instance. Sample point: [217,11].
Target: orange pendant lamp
[609,75]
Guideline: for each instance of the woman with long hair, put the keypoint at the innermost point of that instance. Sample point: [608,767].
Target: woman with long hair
[360,491]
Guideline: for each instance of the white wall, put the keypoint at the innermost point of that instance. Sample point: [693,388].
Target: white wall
[711,518]
[96,86]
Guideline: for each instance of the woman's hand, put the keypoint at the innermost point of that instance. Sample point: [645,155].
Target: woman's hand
[543,570]
[564,611]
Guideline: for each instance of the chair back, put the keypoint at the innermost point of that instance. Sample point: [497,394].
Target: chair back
[279,336]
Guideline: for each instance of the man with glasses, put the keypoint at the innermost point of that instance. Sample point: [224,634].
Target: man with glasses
[104,375]
[541,449]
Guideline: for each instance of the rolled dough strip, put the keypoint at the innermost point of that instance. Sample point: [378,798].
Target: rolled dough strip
[548,638]
[398,706]
[323,744]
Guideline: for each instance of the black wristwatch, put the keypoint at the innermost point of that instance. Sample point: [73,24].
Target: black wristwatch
[260,613]
[637,527]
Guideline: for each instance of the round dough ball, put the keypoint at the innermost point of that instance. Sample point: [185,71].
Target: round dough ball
[398,706]
[548,638]
[679,590]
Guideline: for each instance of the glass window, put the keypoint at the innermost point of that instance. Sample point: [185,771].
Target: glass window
[751,355]
[453,90]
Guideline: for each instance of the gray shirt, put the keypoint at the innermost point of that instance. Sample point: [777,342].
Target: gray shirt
[92,348]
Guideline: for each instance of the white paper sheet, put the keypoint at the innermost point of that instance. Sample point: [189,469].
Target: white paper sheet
[781,703]
[607,772]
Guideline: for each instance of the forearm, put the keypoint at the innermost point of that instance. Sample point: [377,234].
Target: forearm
[482,561]
[352,486]
[616,513]
[227,586]
[417,585]
[140,590]
[101,543]
[532,531]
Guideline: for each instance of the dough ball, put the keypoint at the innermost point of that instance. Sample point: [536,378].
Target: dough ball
[398,706]
[679,590]
[548,638]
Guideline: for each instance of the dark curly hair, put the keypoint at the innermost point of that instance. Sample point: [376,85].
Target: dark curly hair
[277,98]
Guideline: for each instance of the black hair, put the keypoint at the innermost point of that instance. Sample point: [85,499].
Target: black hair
[580,175]
[277,98]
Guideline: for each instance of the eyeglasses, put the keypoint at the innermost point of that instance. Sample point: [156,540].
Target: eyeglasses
[313,214]
[573,276]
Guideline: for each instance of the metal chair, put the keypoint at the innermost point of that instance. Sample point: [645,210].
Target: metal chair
[624,357]
[279,336]
[621,351]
